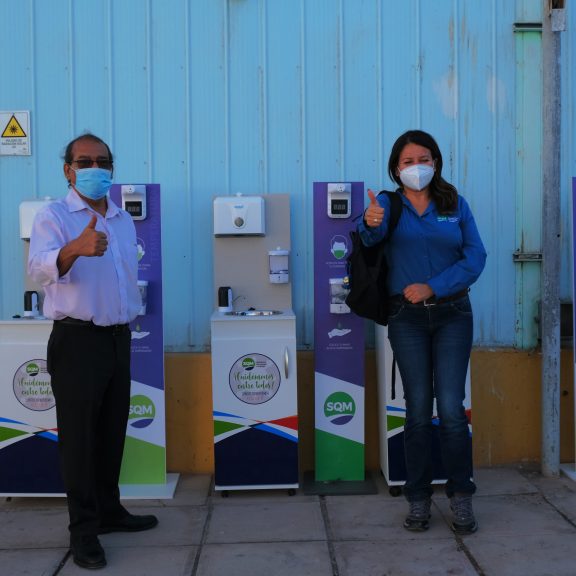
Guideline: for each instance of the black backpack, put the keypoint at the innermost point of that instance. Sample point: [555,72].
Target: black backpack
[367,270]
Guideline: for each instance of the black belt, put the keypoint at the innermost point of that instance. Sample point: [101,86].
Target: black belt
[113,329]
[433,301]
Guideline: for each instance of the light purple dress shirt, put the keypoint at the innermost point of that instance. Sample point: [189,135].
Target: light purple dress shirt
[103,289]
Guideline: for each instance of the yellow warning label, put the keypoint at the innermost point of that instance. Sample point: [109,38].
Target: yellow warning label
[13,129]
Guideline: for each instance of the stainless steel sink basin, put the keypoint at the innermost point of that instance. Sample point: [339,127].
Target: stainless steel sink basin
[254,313]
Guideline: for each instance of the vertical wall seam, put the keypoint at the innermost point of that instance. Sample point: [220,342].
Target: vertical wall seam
[71,90]
[380,92]
[187,109]
[264,95]
[456,101]
[148,24]
[303,123]
[226,68]
[519,106]
[567,165]
[111,108]
[494,142]
[187,154]
[341,79]
[418,78]
[308,298]
[34,87]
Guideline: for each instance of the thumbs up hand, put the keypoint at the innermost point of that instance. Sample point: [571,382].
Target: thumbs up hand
[374,214]
[91,242]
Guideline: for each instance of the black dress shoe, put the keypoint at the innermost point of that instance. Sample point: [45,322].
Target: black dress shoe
[87,552]
[129,523]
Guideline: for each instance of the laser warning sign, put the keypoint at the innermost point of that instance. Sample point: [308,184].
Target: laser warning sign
[15,133]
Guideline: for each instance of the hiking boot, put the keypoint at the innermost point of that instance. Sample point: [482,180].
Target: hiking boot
[418,516]
[463,521]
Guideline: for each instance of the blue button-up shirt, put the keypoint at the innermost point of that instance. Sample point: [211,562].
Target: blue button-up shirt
[102,289]
[443,251]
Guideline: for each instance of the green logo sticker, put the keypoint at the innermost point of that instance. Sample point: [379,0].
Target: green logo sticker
[32,369]
[142,411]
[248,363]
[339,408]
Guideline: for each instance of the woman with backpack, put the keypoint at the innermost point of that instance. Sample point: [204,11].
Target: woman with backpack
[434,255]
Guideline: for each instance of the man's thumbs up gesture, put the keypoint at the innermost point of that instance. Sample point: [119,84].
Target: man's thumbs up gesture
[91,242]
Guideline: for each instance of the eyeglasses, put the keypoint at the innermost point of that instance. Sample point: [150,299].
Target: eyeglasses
[104,163]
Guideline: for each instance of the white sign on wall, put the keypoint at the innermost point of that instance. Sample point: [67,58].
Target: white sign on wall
[15,133]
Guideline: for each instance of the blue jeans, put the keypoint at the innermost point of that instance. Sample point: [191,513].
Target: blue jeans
[432,348]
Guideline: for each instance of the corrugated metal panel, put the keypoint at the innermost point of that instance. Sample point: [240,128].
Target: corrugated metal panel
[214,97]
[529,133]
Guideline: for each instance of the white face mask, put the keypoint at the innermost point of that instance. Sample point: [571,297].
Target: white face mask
[417,177]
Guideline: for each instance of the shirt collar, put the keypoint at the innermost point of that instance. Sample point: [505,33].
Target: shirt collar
[431,206]
[75,204]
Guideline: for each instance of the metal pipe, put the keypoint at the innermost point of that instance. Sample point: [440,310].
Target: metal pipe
[550,244]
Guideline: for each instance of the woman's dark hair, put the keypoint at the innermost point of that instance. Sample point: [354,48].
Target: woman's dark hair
[445,195]
[68,157]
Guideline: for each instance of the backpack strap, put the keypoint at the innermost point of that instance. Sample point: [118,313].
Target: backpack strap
[396,206]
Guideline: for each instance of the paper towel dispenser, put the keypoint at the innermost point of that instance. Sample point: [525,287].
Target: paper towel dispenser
[239,216]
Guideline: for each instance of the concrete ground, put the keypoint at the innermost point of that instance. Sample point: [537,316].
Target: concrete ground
[527,528]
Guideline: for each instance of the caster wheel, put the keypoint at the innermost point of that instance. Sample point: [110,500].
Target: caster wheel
[291,492]
[395,491]
[225,494]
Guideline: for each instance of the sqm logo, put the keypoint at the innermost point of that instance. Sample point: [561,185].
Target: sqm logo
[339,408]
[248,363]
[142,411]
[32,369]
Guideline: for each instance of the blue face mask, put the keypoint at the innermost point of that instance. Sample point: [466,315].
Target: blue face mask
[93,183]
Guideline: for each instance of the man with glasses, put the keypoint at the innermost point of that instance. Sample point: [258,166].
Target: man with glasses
[83,253]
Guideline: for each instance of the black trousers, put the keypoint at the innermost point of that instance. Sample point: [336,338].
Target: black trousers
[90,374]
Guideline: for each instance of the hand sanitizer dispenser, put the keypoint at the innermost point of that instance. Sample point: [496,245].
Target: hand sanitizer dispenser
[278,259]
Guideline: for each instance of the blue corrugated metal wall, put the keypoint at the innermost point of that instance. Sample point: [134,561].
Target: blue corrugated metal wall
[213,97]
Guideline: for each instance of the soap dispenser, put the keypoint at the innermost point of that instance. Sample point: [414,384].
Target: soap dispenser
[278,266]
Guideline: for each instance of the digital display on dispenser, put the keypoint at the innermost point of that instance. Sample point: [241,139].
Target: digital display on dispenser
[133,208]
[339,207]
